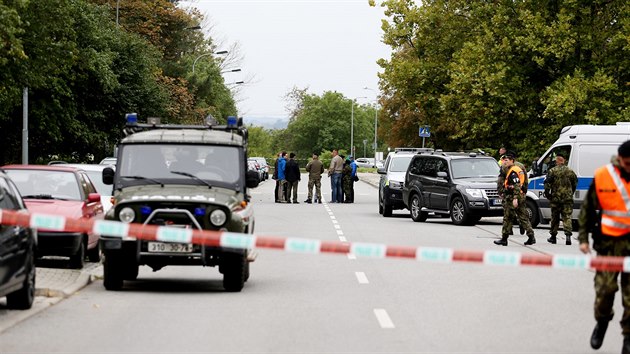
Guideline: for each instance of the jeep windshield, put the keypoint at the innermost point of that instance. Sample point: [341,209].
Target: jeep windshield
[474,168]
[214,164]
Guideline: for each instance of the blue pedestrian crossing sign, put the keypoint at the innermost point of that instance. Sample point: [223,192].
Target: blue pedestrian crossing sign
[425,132]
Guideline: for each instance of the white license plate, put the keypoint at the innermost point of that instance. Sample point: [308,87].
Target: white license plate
[164,247]
[496,201]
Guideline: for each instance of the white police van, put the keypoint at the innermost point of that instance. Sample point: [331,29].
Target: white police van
[587,148]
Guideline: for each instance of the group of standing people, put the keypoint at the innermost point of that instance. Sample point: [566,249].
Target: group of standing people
[287,176]
[343,174]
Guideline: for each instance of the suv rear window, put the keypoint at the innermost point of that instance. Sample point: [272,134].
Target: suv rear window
[474,167]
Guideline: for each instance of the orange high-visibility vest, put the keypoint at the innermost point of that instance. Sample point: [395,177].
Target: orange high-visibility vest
[518,173]
[614,198]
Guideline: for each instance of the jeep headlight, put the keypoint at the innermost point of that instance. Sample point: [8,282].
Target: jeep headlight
[475,193]
[218,217]
[127,215]
[395,185]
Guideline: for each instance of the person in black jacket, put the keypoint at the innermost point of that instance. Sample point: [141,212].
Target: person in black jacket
[292,175]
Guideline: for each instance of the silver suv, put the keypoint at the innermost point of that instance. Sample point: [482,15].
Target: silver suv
[392,179]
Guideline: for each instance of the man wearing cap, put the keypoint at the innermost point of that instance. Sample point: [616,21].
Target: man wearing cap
[334,172]
[560,185]
[315,168]
[514,202]
[501,182]
[606,216]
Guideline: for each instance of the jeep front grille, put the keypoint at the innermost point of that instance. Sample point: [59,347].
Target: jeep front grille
[492,193]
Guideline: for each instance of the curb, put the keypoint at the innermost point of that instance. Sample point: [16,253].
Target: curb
[82,280]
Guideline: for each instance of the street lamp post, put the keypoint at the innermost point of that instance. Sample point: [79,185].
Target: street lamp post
[205,55]
[375,122]
[352,126]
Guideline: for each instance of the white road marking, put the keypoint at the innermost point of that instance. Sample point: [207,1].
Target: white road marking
[332,217]
[343,239]
[361,278]
[351,256]
[339,232]
[337,227]
[335,221]
[383,318]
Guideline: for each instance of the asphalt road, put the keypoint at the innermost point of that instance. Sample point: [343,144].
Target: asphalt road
[334,303]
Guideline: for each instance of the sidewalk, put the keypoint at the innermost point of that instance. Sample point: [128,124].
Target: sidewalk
[63,282]
[372,179]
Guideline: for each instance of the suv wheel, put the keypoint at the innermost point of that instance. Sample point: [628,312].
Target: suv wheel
[234,271]
[23,299]
[416,213]
[112,270]
[458,212]
[532,212]
[387,209]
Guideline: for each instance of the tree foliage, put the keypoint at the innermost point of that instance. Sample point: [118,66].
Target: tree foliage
[503,72]
[83,73]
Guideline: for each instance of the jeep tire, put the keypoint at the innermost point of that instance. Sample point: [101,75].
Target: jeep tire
[113,270]
[234,269]
[23,299]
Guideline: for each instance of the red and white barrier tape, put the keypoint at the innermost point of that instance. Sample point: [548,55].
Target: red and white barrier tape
[300,245]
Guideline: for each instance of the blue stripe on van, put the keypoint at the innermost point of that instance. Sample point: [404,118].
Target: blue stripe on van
[538,183]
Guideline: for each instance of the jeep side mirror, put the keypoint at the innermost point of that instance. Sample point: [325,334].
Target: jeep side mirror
[535,168]
[252,179]
[381,171]
[442,174]
[108,175]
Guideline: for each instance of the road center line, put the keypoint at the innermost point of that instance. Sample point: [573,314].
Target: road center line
[343,239]
[361,278]
[339,232]
[351,256]
[383,318]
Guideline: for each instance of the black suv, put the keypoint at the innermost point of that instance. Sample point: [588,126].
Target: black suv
[463,185]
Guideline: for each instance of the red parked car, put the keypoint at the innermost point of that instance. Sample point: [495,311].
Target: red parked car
[65,191]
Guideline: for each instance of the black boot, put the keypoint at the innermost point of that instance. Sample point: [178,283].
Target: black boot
[552,239]
[521,229]
[626,345]
[597,338]
[502,241]
[568,240]
[530,241]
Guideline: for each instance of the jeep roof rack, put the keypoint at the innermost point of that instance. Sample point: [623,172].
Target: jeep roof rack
[132,126]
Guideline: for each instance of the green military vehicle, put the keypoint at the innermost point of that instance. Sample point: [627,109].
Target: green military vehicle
[191,177]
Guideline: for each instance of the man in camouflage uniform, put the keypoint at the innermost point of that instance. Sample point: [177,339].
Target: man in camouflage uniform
[560,185]
[501,182]
[315,168]
[611,237]
[346,181]
[514,202]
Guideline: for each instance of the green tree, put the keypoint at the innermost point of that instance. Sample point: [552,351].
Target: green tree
[492,73]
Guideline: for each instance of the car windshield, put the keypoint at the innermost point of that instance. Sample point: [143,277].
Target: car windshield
[43,184]
[474,167]
[158,161]
[400,164]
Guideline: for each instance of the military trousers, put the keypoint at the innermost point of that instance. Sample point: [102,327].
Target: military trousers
[520,213]
[317,182]
[606,285]
[564,210]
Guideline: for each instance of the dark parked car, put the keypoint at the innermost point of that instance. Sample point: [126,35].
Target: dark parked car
[17,252]
[463,185]
[65,191]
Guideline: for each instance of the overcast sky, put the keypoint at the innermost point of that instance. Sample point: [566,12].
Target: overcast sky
[320,44]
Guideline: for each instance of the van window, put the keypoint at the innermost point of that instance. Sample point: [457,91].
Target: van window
[594,156]
[549,161]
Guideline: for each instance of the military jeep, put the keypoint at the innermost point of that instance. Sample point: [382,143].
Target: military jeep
[180,176]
